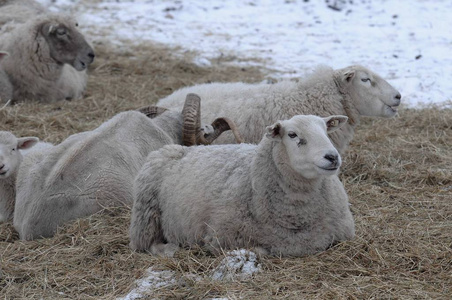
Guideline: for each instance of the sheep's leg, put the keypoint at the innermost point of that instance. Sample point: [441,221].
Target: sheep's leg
[260,251]
[46,213]
[160,249]
[146,229]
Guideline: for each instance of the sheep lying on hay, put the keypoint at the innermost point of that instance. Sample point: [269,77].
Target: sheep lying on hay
[281,196]
[48,55]
[10,159]
[353,91]
[93,170]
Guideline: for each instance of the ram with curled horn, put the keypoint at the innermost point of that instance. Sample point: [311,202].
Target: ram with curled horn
[93,170]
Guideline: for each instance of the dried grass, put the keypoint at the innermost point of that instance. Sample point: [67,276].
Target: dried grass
[398,174]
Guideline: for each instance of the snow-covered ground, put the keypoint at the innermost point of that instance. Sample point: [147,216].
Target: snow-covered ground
[408,42]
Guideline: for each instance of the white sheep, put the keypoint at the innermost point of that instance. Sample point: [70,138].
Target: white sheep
[6,89]
[10,159]
[353,91]
[93,170]
[48,55]
[281,196]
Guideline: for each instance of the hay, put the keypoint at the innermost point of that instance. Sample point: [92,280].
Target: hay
[398,174]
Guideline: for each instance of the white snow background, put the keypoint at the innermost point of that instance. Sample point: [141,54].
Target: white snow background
[408,42]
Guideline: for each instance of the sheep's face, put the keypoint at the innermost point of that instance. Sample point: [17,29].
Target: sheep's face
[67,45]
[10,156]
[372,95]
[308,148]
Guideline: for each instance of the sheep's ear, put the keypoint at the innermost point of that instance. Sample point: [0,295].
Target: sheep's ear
[333,123]
[26,142]
[348,75]
[274,131]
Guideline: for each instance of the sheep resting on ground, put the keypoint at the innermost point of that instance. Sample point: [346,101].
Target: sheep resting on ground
[93,170]
[48,55]
[281,197]
[10,159]
[354,91]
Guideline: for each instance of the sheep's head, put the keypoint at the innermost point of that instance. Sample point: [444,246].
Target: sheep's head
[372,95]
[10,156]
[192,132]
[66,44]
[306,143]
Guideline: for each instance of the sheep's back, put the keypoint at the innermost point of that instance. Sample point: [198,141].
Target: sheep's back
[251,106]
[202,185]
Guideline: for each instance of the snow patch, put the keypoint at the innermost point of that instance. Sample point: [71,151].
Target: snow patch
[152,280]
[238,264]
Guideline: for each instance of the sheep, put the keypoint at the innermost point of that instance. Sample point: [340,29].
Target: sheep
[92,170]
[353,91]
[281,197]
[10,159]
[48,55]
[6,89]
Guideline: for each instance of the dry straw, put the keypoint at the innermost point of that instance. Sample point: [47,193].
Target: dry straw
[398,174]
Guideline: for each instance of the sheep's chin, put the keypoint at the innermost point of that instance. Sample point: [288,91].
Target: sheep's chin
[327,171]
[315,172]
[79,65]
[390,111]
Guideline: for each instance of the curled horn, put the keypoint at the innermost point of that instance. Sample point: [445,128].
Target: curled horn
[152,111]
[192,133]
[191,114]
[220,125]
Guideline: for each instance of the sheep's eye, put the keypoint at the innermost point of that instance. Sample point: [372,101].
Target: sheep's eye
[14,149]
[76,24]
[365,79]
[292,135]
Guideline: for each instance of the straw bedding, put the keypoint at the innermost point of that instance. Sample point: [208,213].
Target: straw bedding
[398,174]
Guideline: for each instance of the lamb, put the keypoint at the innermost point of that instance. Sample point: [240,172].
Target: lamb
[10,159]
[353,91]
[281,197]
[93,170]
[48,55]
[6,89]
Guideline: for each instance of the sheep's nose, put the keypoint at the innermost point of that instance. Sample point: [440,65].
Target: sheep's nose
[333,158]
[398,97]
[91,55]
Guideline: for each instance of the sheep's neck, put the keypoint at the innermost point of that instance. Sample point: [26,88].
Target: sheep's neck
[350,110]
[171,122]
[279,192]
[37,55]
